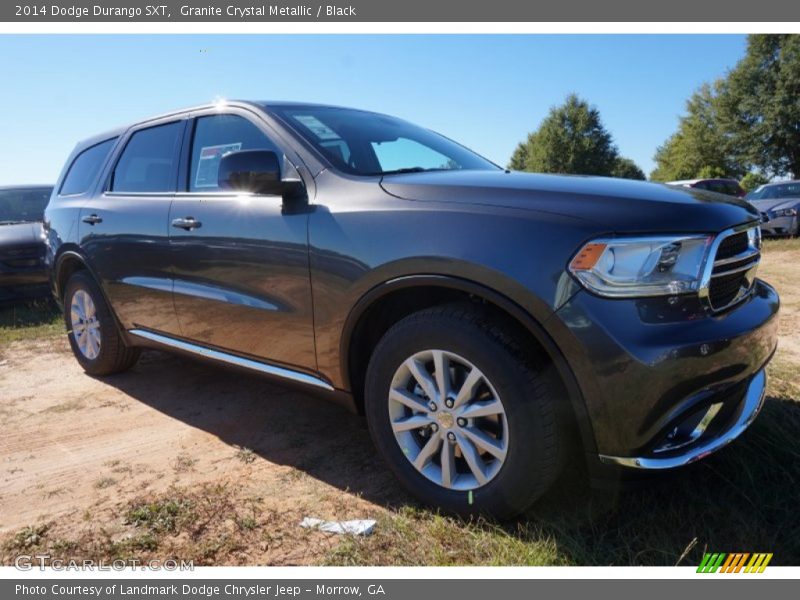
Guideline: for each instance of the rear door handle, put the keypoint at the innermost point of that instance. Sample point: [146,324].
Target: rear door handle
[92,219]
[187,223]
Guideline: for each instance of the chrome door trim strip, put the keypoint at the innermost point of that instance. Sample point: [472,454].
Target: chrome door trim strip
[232,359]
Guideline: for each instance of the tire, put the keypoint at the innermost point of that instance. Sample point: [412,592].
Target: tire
[88,318]
[528,429]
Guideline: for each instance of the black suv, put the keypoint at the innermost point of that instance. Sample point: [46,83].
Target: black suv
[481,320]
[22,270]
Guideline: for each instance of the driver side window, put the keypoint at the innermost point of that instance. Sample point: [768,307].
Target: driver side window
[214,137]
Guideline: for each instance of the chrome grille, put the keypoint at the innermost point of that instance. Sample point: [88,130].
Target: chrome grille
[736,259]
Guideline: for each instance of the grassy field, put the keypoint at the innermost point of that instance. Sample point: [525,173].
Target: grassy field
[31,320]
[743,499]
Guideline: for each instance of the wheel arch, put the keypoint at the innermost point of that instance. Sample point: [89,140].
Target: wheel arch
[68,262]
[392,300]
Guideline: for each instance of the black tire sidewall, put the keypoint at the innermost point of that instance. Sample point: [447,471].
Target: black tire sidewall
[516,486]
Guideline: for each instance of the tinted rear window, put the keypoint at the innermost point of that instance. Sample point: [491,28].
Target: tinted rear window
[85,168]
[148,162]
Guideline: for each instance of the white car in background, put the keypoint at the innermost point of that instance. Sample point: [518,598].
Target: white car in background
[779,205]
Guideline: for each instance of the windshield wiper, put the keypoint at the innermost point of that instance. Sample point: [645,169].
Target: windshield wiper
[407,170]
[12,222]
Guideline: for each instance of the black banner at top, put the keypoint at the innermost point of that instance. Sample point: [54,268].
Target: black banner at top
[402,11]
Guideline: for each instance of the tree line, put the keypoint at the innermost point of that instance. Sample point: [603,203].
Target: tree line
[744,125]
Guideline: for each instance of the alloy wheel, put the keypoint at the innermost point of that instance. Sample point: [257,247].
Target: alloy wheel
[84,323]
[448,419]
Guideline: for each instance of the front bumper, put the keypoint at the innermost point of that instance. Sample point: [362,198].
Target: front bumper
[704,444]
[665,382]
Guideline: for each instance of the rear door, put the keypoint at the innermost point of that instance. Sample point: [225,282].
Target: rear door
[240,261]
[124,228]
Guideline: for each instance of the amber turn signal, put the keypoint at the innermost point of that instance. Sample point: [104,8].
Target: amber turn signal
[587,257]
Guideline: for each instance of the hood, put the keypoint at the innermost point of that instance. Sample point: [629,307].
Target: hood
[614,205]
[775,203]
[20,234]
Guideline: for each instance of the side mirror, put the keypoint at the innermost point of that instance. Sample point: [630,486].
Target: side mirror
[254,171]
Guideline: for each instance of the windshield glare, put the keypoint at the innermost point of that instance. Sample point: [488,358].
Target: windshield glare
[23,205]
[364,143]
[773,192]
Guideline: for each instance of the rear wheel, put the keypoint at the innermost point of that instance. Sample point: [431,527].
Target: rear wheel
[464,420]
[92,331]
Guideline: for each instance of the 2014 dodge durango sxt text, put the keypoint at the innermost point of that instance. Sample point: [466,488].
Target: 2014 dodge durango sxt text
[480,319]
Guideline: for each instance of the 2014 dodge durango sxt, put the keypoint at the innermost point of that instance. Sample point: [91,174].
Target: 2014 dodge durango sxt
[482,320]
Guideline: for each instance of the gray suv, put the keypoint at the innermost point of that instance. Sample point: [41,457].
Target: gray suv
[483,321]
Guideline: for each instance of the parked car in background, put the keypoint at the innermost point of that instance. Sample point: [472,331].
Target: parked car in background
[483,321]
[22,270]
[779,205]
[729,187]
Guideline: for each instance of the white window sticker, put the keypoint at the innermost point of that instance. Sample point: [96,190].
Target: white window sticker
[208,166]
[317,127]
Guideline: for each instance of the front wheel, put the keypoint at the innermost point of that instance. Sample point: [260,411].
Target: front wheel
[92,331]
[463,418]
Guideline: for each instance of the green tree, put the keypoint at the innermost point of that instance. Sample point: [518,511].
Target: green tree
[571,139]
[519,157]
[699,148]
[709,172]
[625,168]
[752,180]
[760,105]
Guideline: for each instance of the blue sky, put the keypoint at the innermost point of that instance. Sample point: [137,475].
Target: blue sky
[484,91]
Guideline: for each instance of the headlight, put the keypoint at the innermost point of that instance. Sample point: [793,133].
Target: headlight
[786,212]
[640,267]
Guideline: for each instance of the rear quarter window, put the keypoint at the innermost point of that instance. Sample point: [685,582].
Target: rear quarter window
[84,169]
[149,161]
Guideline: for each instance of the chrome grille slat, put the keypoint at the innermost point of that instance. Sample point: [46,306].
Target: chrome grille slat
[748,254]
[735,270]
[731,266]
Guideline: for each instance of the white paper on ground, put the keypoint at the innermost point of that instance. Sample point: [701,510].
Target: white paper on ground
[356,527]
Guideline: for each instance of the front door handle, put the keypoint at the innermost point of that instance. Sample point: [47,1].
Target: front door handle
[92,219]
[187,223]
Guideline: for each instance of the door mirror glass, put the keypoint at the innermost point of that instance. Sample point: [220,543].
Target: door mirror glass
[254,171]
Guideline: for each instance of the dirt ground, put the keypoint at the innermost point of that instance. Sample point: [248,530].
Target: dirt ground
[76,451]
[80,454]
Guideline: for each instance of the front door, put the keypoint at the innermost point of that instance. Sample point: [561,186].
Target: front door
[240,263]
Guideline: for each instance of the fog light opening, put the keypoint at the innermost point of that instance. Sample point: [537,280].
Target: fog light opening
[689,430]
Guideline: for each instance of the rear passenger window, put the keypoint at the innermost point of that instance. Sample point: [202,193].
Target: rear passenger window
[148,162]
[84,169]
[216,136]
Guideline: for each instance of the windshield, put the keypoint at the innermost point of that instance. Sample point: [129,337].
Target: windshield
[364,143]
[774,192]
[23,205]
